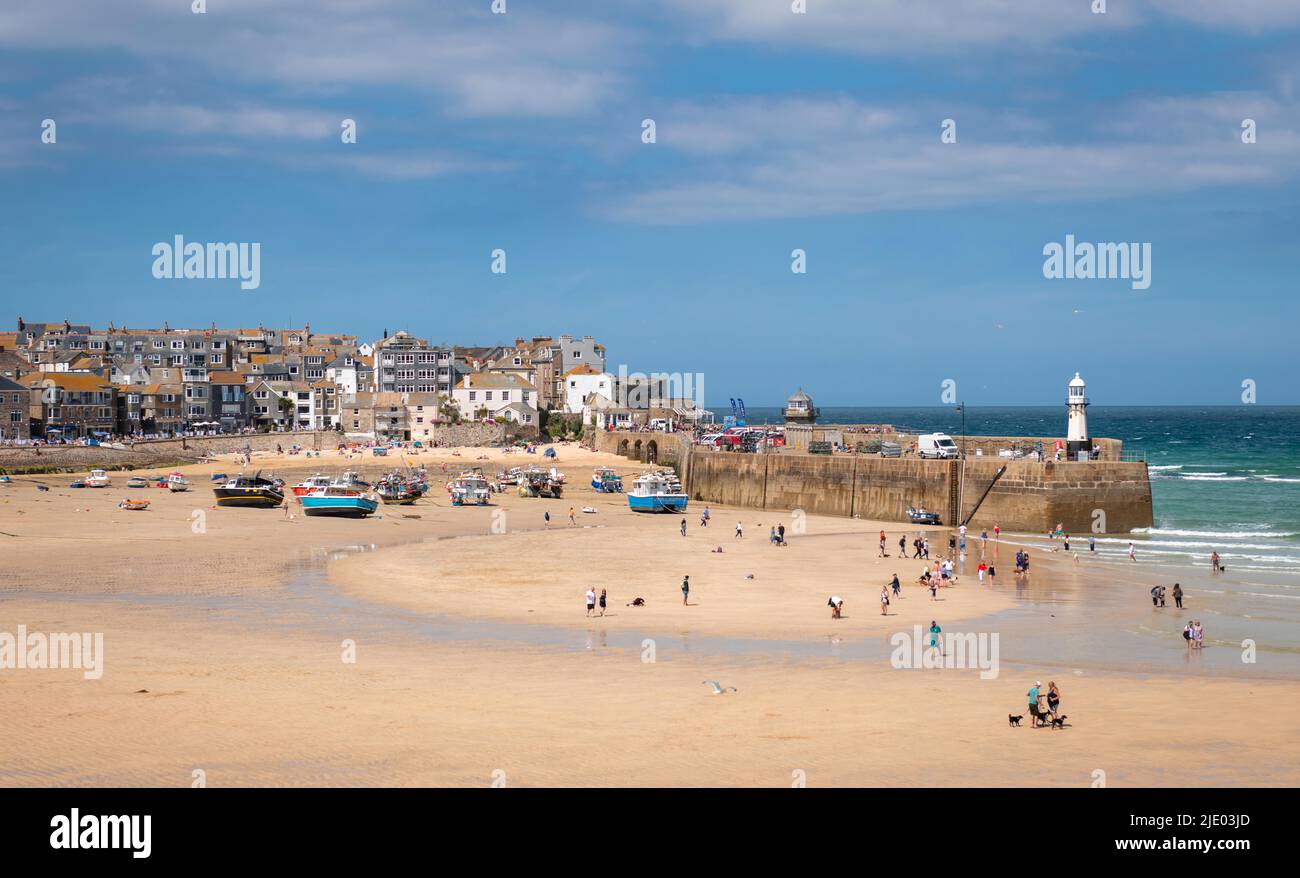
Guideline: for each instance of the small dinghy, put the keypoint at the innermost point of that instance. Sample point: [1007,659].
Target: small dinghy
[134,505]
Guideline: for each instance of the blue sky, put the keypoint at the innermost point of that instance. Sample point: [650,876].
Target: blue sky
[775,131]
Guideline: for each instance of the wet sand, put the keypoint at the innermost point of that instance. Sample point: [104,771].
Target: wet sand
[474,655]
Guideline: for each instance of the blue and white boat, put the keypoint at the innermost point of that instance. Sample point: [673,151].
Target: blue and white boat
[605,481]
[340,500]
[657,492]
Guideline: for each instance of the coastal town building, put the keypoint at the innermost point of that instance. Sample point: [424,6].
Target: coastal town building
[15,410]
[486,395]
[582,381]
[74,405]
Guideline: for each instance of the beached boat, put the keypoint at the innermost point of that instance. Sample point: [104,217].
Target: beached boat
[176,483]
[137,482]
[537,482]
[400,490]
[311,483]
[98,479]
[249,491]
[134,505]
[605,481]
[656,492]
[343,500]
[469,489]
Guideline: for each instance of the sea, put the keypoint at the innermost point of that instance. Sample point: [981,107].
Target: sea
[1223,478]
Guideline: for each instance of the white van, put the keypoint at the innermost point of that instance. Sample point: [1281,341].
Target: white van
[938,445]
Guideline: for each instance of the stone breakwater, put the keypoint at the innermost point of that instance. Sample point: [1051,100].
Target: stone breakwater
[1106,496]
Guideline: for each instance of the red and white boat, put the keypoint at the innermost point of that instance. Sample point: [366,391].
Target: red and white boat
[306,486]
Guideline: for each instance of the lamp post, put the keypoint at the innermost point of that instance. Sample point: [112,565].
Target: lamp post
[961,407]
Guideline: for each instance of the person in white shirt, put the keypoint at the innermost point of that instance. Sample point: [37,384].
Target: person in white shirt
[836,603]
[591,600]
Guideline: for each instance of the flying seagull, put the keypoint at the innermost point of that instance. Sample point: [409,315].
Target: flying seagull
[717,689]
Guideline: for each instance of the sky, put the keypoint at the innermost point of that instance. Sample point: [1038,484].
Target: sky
[774,132]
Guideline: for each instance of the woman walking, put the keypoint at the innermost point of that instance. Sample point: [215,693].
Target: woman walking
[1053,698]
[884,600]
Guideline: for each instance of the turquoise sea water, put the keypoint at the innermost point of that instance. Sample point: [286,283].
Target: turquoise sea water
[1223,478]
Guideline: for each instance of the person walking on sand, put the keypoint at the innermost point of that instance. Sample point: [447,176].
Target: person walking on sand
[603,598]
[573,521]
[780,534]
[992,573]
[997,533]
[980,571]
[546,517]
[1092,543]
[1187,636]
[884,600]
[1198,634]
[740,532]
[933,582]
[882,545]
[1131,556]
[1053,698]
[704,517]
[1178,596]
[1034,697]
[686,590]
[683,527]
[935,631]
[896,586]
[1215,566]
[902,546]
[771,535]
[984,540]
[591,600]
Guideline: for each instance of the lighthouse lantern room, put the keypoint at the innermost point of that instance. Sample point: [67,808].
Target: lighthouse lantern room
[1076,438]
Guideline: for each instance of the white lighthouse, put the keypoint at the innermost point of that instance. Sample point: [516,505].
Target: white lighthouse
[1076,436]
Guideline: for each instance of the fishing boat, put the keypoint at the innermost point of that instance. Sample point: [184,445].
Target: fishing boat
[470,488]
[134,505]
[250,491]
[98,479]
[176,482]
[605,481]
[537,482]
[311,483]
[399,490]
[344,500]
[656,492]
[137,482]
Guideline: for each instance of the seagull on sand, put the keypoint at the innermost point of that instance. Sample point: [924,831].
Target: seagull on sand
[717,689]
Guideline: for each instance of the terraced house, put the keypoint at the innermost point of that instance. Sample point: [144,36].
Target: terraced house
[15,410]
[73,404]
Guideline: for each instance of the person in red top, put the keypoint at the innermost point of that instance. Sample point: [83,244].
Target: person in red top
[981,570]
[882,545]
[997,531]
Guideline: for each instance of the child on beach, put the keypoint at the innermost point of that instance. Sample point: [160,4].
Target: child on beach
[884,600]
[683,527]
[934,588]
[686,589]
[771,536]
[739,531]
[573,521]
[836,604]
[1131,556]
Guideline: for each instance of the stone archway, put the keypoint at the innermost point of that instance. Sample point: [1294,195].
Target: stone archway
[637,452]
[652,452]
[622,446]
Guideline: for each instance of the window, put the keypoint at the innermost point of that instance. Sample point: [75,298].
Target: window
[487,395]
[472,395]
[178,344]
[505,396]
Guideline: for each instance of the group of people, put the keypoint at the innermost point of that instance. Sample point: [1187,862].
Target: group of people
[1158,596]
[1037,697]
[1194,634]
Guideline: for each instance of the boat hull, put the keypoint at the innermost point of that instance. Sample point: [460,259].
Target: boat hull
[657,503]
[262,498]
[344,507]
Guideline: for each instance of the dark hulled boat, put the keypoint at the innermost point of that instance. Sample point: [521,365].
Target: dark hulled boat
[249,491]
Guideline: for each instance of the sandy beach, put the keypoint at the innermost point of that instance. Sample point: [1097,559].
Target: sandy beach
[226,634]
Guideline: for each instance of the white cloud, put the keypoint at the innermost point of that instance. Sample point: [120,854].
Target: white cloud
[1249,16]
[530,62]
[760,158]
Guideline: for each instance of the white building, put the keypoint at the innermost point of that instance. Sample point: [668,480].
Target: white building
[484,395]
[582,381]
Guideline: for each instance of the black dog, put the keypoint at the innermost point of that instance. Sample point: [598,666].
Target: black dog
[1015,720]
[637,602]
[1058,722]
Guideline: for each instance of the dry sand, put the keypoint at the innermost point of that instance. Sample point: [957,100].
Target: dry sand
[474,658]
